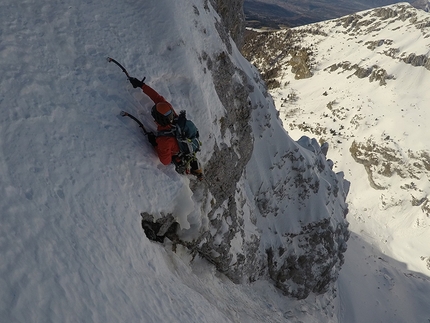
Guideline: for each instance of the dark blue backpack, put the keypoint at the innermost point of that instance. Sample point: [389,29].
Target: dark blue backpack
[187,135]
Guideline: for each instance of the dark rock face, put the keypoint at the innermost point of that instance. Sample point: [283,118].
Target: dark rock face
[305,256]
[235,98]
[299,65]
[315,269]
[253,228]
[418,60]
[301,258]
[233,17]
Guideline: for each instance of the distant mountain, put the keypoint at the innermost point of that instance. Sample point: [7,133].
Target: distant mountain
[292,13]
[360,83]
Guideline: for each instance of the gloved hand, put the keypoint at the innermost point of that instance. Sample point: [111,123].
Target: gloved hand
[135,82]
[152,139]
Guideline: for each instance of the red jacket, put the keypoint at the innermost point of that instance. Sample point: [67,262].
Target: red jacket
[167,147]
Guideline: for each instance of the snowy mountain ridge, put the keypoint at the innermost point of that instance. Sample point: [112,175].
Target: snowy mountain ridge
[378,54]
[360,83]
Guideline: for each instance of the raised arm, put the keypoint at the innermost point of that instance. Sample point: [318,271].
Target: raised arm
[154,96]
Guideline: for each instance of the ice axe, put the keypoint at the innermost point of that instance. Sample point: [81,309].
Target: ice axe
[126,114]
[110,59]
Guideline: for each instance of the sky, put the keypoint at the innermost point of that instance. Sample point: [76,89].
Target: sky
[75,175]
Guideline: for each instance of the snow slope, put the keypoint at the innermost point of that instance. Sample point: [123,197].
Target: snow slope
[386,274]
[393,116]
[74,174]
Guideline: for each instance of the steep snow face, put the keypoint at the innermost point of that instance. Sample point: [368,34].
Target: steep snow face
[75,175]
[233,17]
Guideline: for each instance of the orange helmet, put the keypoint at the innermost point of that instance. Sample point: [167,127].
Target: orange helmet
[163,113]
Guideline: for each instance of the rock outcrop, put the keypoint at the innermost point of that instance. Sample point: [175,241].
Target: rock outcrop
[233,17]
[277,210]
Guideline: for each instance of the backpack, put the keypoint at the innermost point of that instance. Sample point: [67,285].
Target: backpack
[186,133]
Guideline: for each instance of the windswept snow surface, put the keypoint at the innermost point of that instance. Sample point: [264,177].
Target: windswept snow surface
[74,175]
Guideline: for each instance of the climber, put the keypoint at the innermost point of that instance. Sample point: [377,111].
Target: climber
[176,140]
